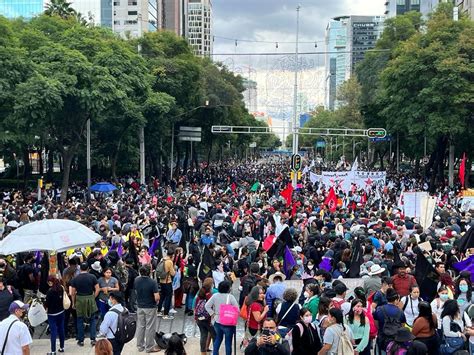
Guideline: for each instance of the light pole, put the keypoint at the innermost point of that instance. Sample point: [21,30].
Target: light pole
[141,130]
[88,158]
[295,96]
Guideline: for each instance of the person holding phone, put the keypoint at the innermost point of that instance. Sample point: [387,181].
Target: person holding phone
[269,341]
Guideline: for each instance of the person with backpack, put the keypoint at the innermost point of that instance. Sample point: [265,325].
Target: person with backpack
[304,335]
[453,327]
[388,319]
[400,344]
[202,317]
[275,291]
[248,282]
[359,324]
[110,324]
[287,312]
[339,301]
[165,272]
[338,338]
[410,305]
[147,297]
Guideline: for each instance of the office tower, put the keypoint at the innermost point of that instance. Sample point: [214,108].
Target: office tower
[172,16]
[399,7]
[348,38]
[466,7]
[21,8]
[199,26]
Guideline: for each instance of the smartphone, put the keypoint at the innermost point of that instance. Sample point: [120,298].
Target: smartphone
[266,332]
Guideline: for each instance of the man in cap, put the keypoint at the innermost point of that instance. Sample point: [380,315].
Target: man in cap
[174,234]
[15,337]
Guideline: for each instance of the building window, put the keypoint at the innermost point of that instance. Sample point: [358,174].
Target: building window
[400,2]
[130,13]
[415,2]
[132,2]
[116,3]
[116,22]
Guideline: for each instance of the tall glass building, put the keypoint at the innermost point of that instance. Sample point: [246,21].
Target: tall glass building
[21,8]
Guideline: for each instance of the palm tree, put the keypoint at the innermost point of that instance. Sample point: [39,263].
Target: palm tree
[60,8]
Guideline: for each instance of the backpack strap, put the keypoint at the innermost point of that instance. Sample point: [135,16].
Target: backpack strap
[405,304]
[118,314]
[286,313]
[6,337]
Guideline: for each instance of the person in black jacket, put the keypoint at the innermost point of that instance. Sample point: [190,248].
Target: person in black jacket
[55,309]
[304,334]
[269,342]
[7,295]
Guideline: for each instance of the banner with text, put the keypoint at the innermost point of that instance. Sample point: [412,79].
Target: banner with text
[350,180]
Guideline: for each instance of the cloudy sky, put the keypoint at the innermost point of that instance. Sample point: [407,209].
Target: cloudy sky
[275,21]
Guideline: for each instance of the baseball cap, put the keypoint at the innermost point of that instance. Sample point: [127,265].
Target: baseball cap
[18,305]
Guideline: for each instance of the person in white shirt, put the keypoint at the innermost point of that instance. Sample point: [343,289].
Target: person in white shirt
[410,305]
[15,338]
[108,327]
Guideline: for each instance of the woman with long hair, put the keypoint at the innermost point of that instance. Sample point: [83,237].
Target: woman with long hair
[410,304]
[257,310]
[452,322]
[360,327]
[203,319]
[425,326]
[175,346]
[103,347]
[322,318]
[438,303]
[332,335]
[107,284]
[55,309]
[463,293]
[304,334]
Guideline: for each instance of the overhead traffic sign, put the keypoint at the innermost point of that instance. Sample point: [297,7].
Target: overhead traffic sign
[376,133]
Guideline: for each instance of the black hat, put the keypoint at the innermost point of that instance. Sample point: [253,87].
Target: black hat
[403,335]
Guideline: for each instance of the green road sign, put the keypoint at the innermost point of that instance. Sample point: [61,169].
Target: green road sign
[376,133]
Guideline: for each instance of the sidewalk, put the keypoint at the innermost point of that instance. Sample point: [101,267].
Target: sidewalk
[42,347]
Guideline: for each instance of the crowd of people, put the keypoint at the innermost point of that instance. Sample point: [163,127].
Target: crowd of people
[191,242]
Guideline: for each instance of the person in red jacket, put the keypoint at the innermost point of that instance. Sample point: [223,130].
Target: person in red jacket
[402,282]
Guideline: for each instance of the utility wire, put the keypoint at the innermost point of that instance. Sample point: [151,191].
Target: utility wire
[302,53]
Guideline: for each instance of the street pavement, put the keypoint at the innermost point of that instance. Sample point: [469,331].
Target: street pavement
[180,324]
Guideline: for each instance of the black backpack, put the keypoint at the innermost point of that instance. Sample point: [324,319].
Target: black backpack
[390,324]
[126,326]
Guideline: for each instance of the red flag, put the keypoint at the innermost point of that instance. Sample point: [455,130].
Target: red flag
[294,208]
[287,194]
[363,199]
[462,170]
[331,200]
[233,187]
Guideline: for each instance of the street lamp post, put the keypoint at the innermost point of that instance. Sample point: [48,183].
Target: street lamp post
[88,158]
[295,96]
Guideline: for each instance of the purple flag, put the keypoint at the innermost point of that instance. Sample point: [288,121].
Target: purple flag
[114,246]
[460,266]
[120,249]
[154,245]
[326,264]
[288,261]
[38,258]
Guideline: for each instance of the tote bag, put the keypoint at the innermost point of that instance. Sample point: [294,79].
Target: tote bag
[37,314]
[66,300]
[228,314]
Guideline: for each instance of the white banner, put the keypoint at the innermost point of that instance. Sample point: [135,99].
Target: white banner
[466,203]
[412,203]
[347,180]
[428,205]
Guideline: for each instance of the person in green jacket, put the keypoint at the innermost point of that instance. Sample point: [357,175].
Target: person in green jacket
[311,302]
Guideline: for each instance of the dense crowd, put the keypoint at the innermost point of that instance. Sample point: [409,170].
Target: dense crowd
[187,243]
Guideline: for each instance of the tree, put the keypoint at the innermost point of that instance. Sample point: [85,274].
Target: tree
[60,8]
[428,86]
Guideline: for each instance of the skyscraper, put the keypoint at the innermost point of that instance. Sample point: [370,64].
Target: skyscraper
[172,15]
[199,26]
[466,7]
[399,7]
[21,8]
[348,38]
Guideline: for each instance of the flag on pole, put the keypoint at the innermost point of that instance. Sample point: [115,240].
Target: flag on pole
[288,262]
[287,193]
[255,187]
[331,200]
[462,170]
[355,165]
[313,177]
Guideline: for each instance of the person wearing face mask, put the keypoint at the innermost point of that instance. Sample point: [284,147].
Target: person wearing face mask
[340,271]
[360,327]
[438,303]
[305,335]
[109,325]
[269,342]
[463,293]
[410,305]
[311,302]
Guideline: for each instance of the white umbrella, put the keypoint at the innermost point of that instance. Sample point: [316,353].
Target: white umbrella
[48,234]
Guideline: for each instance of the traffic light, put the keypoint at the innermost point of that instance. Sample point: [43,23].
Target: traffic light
[376,133]
[296,162]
